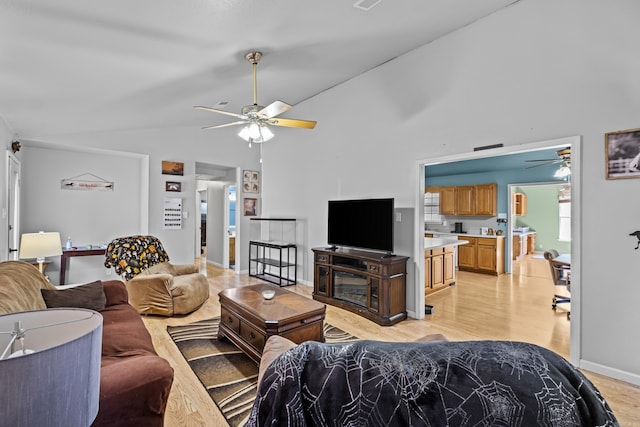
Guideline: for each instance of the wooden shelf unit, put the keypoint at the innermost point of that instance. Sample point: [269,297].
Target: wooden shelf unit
[370,284]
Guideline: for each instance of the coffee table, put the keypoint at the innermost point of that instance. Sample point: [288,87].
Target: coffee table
[247,319]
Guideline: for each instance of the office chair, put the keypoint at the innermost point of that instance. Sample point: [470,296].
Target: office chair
[561,275]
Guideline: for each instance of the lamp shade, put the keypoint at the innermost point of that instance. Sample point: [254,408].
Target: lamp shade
[40,245]
[57,381]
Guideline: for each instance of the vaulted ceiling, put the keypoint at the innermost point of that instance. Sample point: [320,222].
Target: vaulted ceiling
[75,66]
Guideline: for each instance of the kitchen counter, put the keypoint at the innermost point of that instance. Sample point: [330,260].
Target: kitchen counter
[443,234]
[435,242]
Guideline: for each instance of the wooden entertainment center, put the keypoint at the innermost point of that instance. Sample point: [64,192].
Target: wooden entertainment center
[371,284]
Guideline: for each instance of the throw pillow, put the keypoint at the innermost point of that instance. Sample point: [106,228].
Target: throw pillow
[90,296]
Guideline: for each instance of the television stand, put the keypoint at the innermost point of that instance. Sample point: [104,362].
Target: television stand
[371,284]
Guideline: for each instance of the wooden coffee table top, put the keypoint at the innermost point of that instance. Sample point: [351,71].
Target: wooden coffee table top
[285,306]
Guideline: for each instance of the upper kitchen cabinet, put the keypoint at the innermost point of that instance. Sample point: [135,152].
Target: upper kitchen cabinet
[466,200]
[486,199]
[469,200]
[519,204]
[447,200]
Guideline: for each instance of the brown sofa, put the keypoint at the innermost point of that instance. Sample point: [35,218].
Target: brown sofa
[134,381]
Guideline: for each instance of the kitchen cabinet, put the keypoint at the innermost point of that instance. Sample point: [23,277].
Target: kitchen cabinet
[519,204]
[523,244]
[466,200]
[448,201]
[439,269]
[469,200]
[482,255]
[486,199]
[467,258]
[531,243]
[519,246]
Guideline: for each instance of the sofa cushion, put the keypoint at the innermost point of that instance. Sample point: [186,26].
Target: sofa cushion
[20,285]
[115,292]
[123,334]
[90,296]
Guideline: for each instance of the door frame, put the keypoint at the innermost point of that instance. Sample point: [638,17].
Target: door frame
[12,203]
[576,224]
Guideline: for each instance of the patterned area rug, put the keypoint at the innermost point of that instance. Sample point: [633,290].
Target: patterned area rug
[229,376]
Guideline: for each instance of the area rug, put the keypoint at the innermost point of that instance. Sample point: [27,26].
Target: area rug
[229,376]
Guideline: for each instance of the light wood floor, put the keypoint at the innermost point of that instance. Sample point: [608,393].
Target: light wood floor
[509,307]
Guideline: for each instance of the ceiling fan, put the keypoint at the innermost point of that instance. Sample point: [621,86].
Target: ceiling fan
[256,117]
[564,159]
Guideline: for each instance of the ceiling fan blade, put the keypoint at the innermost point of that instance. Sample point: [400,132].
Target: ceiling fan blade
[293,123]
[274,109]
[543,164]
[225,125]
[200,107]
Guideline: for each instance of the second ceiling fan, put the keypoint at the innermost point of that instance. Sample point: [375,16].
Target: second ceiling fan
[256,117]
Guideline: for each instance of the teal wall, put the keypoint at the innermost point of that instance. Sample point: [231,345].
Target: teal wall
[542,216]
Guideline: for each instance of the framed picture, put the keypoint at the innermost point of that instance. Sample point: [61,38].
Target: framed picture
[622,152]
[172,168]
[250,206]
[173,186]
[251,181]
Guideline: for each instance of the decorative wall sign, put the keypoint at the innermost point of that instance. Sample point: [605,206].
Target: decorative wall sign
[172,213]
[622,153]
[251,181]
[250,207]
[173,186]
[172,168]
[89,182]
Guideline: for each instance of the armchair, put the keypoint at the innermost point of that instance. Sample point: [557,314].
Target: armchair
[156,286]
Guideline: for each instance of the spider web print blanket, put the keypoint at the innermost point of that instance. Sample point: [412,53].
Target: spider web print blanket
[471,383]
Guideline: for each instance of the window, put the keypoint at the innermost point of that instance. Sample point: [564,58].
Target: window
[432,207]
[564,229]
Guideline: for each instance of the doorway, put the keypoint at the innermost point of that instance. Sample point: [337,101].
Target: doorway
[494,156]
[217,229]
[540,219]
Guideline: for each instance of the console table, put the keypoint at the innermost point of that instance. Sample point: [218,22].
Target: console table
[370,284]
[80,251]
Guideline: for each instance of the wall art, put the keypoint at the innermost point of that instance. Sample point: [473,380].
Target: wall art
[251,181]
[172,168]
[622,154]
[250,206]
[173,186]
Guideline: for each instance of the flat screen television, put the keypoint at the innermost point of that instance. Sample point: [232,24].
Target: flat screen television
[364,223]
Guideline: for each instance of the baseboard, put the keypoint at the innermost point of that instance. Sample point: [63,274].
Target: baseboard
[610,372]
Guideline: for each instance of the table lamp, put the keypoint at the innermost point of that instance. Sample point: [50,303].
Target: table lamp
[50,367]
[40,245]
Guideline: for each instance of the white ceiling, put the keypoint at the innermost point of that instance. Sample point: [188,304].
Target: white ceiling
[74,66]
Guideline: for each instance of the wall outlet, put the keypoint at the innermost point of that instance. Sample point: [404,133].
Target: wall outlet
[398,216]
[108,273]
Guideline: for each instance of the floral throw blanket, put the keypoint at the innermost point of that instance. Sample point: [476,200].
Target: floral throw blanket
[132,254]
[470,383]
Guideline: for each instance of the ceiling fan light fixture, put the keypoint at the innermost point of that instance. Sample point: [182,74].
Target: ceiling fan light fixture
[562,172]
[255,132]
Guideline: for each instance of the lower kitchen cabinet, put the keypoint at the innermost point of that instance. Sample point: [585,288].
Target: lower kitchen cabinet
[439,271]
[482,255]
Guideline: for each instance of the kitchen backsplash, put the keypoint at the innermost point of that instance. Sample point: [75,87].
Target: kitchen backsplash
[471,225]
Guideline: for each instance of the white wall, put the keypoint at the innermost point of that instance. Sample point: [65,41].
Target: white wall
[187,145]
[535,71]
[88,217]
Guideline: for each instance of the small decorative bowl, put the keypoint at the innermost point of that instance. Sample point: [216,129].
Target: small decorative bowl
[268,294]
